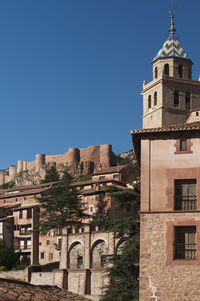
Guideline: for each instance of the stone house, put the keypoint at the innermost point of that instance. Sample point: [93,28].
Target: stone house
[167,150]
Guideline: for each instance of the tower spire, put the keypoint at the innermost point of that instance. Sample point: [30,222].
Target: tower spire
[172,29]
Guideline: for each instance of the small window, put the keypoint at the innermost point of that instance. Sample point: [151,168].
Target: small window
[185,242]
[180,71]
[115,176]
[176,98]
[156,72]
[197,113]
[50,256]
[102,178]
[24,198]
[29,244]
[29,213]
[103,261]
[91,209]
[166,69]
[48,242]
[190,73]
[59,243]
[149,102]
[187,101]
[155,98]
[69,230]
[82,230]
[16,200]
[42,255]
[183,145]
[20,214]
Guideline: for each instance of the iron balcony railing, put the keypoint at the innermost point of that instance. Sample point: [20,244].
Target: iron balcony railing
[185,251]
[187,203]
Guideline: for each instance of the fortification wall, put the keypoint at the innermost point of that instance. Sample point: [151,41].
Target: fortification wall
[81,162]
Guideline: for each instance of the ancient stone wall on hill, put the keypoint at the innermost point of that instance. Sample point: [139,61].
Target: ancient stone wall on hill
[80,161]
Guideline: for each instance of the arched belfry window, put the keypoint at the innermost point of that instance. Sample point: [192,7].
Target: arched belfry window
[176,98]
[149,102]
[156,72]
[155,98]
[187,100]
[180,71]
[166,69]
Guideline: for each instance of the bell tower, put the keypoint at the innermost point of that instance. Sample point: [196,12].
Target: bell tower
[172,93]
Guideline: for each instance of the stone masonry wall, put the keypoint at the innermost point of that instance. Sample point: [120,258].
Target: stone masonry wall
[161,277]
[81,162]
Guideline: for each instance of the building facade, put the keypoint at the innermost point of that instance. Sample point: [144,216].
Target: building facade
[167,150]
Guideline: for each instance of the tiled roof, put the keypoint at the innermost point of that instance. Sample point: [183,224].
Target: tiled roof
[24,192]
[111,169]
[171,48]
[194,126]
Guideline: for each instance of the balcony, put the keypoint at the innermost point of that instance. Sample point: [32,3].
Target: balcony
[185,203]
[24,231]
[185,251]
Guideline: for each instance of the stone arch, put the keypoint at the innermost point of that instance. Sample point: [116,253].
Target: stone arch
[118,246]
[75,256]
[97,255]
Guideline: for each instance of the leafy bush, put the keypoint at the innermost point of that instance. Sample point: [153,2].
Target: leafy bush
[2,268]
[8,258]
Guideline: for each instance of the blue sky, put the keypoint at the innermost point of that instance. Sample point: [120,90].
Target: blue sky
[71,71]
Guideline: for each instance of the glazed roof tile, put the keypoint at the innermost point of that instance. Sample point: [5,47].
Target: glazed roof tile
[171,48]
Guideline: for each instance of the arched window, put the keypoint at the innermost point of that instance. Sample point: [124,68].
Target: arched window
[176,98]
[190,73]
[149,102]
[187,101]
[166,69]
[180,71]
[156,72]
[155,98]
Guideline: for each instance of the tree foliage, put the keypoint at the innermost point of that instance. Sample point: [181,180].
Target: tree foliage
[51,175]
[123,271]
[60,206]
[8,258]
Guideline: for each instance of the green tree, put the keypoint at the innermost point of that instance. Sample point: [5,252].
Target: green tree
[123,271]
[60,206]
[8,258]
[51,175]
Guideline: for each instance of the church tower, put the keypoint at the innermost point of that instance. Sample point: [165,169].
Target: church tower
[172,93]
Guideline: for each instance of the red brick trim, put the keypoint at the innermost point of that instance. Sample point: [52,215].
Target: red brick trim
[181,173]
[170,242]
[177,147]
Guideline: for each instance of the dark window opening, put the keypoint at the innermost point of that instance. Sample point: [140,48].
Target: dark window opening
[115,176]
[103,261]
[187,101]
[20,214]
[156,72]
[29,213]
[59,243]
[197,113]
[149,102]
[185,242]
[79,262]
[185,197]
[42,255]
[48,242]
[155,98]
[166,69]
[180,71]
[176,99]
[190,73]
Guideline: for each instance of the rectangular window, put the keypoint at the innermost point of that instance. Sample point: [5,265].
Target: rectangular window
[185,197]
[20,214]
[50,255]
[187,101]
[29,244]
[42,255]
[102,178]
[183,145]
[48,242]
[29,213]
[115,176]
[185,242]
[21,244]
[59,243]
[176,99]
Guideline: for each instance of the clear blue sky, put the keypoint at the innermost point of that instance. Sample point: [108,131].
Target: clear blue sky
[71,71]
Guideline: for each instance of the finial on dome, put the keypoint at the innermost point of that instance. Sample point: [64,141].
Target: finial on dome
[172,29]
